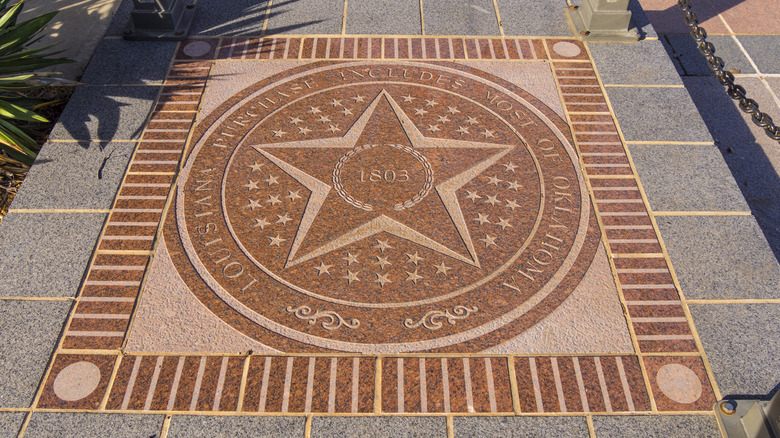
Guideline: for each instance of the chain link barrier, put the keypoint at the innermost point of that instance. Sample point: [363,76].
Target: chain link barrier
[726,78]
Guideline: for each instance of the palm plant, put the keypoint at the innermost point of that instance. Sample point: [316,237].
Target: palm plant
[20,124]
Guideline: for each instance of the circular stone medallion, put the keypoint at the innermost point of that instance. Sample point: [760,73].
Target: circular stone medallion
[374,207]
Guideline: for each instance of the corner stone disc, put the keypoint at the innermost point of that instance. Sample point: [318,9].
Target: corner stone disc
[383,208]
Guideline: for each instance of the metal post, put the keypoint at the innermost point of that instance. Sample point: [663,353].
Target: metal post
[602,20]
[749,418]
[160,20]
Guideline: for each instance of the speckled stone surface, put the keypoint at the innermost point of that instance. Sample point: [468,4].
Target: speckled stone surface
[105,113]
[200,425]
[101,169]
[520,427]
[469,17]
[621,63]
[129,62]
[392,17]
[10,422]
[29,330]
[656,426]
[723,257]
[739,340]
[693,63]
[73,425]
[549,18]
[51,252]
[762,50]
[305,17]
[358,427]
[686,178]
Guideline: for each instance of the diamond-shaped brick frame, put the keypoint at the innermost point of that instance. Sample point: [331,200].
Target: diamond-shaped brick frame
[666,374]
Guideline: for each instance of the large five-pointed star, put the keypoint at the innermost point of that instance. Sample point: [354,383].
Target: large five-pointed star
[304,159]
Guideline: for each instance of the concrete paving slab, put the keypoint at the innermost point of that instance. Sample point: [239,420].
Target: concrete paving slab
[657,426]
[45,255]
[463,17]
[687,178]
[644,63]
[657,114]
[774,84]
[237,17]
[10,423]
[358,427]
[549,18]
[129,62]
[762,49]
[29,330]
[750,16]
[86,175]
[517,427]
[97,113]
[640,22]
[306,17]
[666,17]
[694,64]
[720,257]
[739,340]
[390,17]
[73,425]
[199,425]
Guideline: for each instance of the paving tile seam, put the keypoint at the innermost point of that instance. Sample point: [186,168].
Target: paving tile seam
[702,213]
[643,86]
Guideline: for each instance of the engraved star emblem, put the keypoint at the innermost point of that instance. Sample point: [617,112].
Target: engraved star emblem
[382,279]
[255,167]
[382,262]
[463,130]
[488,240]
[253,204]
[408,98]
[346,111]
[304,130]
[472,121]
[351,258]
[271,180]
[453,110]
[359,98]
[442,268]
[294,195]
[283,219]
[492,200]
[278,133]
[295,120]
[261,223]
[273,200]
[251,185]
[482,219]
[413,276]
[350,277]
[276,241]
[494,180]
[473,196]
[323,269]
[414,258]
[443,220]
[514,185]
[512,205]
[503,223]
[382,245]
[510,167]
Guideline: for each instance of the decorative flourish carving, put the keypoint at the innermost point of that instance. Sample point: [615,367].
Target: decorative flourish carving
[332,320]
[432,319]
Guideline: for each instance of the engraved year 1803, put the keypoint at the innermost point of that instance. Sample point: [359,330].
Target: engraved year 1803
[384,175]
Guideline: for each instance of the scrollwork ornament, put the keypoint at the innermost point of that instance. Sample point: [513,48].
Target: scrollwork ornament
[332,320]
[433,319]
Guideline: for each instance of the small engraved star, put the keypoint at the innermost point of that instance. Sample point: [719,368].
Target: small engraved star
[482,219]
[335,102]
[444,119]
[442,268]
[420,112]
[473,196]
[514,185]
[431,103]
[413,276]
[488,240]
[351,276]
[278,133]
[323,269]
[414,258]
[382,262]
[346,111]
[255,167]
[488,133]
[304,130]
[251,185]
[494,180]
[294,195]
[452,110]
[253,204]
[262,223]
[510,167]
[314,110]
[503,223]
[283,219]
[271,180]
[359,98]
[276,241]
[472,121]
[273,200]
[295,120]
[408,98]
[433,128]
[324,119]
[334,128]
[492,200]
[382,279]
[382,245]
[512,205]
[463,130]
[351,258]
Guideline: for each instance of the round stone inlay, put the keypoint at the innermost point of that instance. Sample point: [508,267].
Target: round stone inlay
[76,381]
[196,49]
[679,383]
[567,49]
[373,207]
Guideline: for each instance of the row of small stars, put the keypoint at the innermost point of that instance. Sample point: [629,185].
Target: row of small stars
[382,279]
[492,200]
[273,200]
[514,185]
[485,219]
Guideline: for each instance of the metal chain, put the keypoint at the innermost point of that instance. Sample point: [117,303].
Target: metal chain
[716,64]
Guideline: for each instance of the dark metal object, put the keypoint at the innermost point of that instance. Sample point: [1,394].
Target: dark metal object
[716,64]
[749,418]
[602,20]
[168,20]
